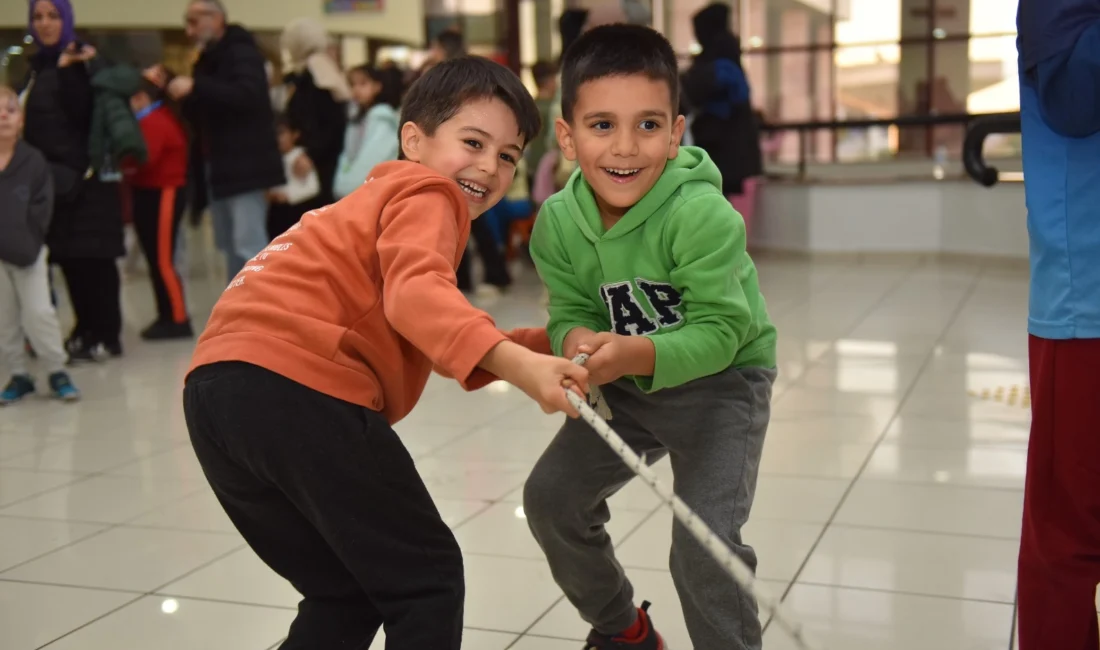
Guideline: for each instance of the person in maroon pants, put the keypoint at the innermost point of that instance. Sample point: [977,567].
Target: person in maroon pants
[1059,565]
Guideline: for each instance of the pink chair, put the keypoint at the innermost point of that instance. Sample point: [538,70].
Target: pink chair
[745,202]
[543,186]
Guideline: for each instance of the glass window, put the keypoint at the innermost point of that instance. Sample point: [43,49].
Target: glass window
[870,21]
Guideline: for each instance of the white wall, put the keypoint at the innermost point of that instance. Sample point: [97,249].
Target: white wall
[956,217]
[401,20]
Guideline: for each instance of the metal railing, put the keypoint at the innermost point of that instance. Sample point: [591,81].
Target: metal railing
[973,146]
[991,122]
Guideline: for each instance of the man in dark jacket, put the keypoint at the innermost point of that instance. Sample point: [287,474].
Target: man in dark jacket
[229,108]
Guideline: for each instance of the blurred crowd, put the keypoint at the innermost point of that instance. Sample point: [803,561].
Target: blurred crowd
[131,149]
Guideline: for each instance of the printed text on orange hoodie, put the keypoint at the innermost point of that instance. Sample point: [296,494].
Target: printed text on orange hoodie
[359,300]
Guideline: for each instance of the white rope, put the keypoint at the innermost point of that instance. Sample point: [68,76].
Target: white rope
[718,549]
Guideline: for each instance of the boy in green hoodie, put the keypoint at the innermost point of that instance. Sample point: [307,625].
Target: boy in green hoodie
[645,263]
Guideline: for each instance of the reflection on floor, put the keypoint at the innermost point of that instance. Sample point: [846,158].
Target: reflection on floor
[888,509]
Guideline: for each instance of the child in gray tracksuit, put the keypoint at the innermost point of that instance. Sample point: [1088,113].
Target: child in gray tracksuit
[645,264]
[26,311]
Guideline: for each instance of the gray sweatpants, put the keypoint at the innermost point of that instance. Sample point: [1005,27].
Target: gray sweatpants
[713,430]
[26,311]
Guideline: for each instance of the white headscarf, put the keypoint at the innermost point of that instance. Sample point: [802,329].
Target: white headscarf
[307,42]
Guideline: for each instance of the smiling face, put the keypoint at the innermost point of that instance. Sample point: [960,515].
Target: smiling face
[11,116]
[46,22]
[622,132]
[478,148]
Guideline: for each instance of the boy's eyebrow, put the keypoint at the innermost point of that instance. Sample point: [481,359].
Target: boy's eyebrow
[606,115]
[488,136]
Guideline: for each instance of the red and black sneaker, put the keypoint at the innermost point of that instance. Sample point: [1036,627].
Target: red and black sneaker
[646,638]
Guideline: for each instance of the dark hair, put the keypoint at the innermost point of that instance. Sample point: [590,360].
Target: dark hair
[282,121]
[452,42]
[392,81]
[543,71]
[617,51]
[156,93]
[443,90]
[153,91]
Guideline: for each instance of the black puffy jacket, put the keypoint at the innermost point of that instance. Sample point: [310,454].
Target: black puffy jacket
[230,112]
[87,221]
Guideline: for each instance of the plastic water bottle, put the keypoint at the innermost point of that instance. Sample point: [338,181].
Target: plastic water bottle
[940,158]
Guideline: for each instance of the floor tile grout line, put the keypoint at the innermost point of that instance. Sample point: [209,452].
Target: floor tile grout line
[886,529]
[236,549]
[886,428]
[99,472]
[221,601]
[487,505]
[1015,618]
[131,602]
[64,585]
[47,445]
[81,479]
[905,592]
[178,529]
[464,433]
[92,622]
[618,544]
[109,527]
[893,481]
[55,550]
[538,619]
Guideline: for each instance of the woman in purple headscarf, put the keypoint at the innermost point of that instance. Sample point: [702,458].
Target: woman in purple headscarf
[85,236]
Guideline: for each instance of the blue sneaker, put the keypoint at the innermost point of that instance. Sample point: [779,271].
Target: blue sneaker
[61,387]
[19,387]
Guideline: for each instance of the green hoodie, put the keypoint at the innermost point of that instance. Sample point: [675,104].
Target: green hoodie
[674,268]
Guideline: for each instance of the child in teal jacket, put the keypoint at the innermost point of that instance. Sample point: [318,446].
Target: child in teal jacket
[645,263]
[371,136]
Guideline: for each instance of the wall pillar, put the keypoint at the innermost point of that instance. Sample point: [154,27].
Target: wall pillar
[933,79]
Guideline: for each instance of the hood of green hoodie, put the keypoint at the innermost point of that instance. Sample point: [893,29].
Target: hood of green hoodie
[122,80]
[691,165]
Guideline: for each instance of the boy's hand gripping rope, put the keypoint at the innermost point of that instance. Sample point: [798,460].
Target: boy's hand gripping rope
[597,418]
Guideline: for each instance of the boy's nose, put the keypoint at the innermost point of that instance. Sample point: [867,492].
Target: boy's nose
[489,164]
[624,145]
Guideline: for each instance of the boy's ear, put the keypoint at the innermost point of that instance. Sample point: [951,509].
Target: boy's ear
[678,127]
[411,140]
[564,134]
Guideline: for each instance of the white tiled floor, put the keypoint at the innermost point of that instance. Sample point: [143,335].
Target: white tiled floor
[888,508]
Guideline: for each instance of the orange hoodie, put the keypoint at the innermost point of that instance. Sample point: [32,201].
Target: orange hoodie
[360,300]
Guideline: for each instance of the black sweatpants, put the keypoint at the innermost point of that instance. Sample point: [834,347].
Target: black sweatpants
[94,291]
[492,258]
[327,495]
[157,216]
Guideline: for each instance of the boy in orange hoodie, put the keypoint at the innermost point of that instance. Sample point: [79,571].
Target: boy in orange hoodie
[327,338]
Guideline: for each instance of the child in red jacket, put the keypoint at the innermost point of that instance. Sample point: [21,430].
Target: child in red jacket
[158,204]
